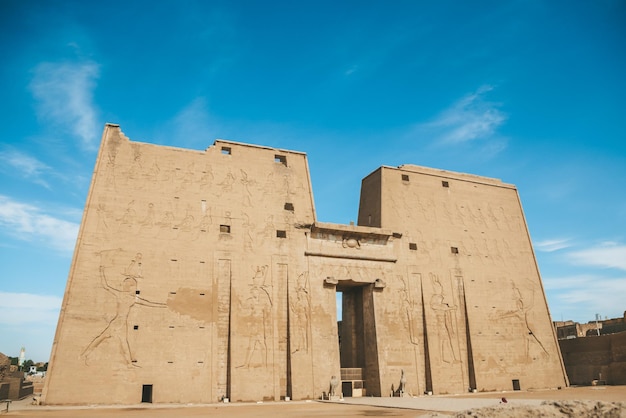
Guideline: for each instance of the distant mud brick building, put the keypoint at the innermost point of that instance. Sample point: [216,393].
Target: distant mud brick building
[204,275]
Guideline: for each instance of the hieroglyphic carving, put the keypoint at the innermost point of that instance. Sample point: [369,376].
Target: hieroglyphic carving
[135,170]
[207,177]
[186,179]
[147,223]
[248,241]
[127,220]
[301,309]
[408,305]
[257,313]
[187,223]
[246,182]
[101,212]
[227,183]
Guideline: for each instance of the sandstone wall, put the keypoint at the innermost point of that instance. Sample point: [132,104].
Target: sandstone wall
[601,358]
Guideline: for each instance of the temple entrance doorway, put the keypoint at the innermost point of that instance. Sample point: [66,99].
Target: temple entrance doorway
[357,340]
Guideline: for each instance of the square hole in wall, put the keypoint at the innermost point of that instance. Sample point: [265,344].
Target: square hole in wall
[289,206]
[281,234]
[281,159]
[445,183]
[135,326]
[412,246]
[405,177]
[227,150]
[454,250]
[137,292]
[225,229]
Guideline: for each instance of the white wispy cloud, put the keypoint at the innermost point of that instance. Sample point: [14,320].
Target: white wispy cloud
[27,308]
[606,255]
[24,165]
[551,245]
[64,94]
[470,118]
[580,297]
[30,223]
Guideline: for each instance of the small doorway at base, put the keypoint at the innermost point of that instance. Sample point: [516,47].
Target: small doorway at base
[146,394]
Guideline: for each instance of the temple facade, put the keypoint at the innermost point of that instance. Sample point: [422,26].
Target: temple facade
[200,276]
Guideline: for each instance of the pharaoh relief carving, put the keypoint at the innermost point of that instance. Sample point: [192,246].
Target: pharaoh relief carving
[408,307]
[127,221]
[206,179]
[445,321]
[226,184]
[135,169]
[147,222]
[186,177]
[152,174]
[521,321]
[248,226]
[116,331]
[256,319]
[246,182]
[300,307]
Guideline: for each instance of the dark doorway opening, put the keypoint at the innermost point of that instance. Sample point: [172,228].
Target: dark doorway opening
[146,394]
[358,352]
[516,385]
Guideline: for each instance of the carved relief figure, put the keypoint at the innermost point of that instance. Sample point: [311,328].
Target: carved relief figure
[186,224]
[227,183]
[117,328]
[445,326]
[408,314]
[246,188]
[248,241]
[147,223]
[110,171]
[301,311]
[102,217]
[207,177]
[128,218]
[523,306]
[257,311]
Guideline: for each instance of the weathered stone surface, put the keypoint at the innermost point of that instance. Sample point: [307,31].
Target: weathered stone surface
[199,276]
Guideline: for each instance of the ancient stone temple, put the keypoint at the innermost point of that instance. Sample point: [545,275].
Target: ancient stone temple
[200,276]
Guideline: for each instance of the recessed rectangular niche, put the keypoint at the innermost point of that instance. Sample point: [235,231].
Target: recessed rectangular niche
[135,326]
[445,183]
[282,159]
[405,177]
[225,229]
[454,250]
[289,206]
[226,150]
[146,394]
[281,234]
[412,246]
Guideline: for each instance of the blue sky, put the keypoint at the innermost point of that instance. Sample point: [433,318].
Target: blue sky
[531,92]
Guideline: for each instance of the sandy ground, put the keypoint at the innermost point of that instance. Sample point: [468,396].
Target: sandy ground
[602,401]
